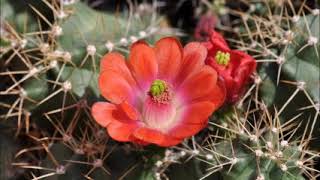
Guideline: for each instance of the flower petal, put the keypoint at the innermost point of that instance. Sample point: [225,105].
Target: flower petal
[113,61]
[129,110]
[245,60]
[188,130]
[191,119]
[121,131]
[218,95]
[158,116]
[102,112]
[155,137]
[169,56]
[116,62]
[115,87]
[217,42]
[198,86]
[143,64]
[194,55]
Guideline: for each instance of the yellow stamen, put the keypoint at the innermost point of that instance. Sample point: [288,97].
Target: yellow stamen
[222,58]
[157,87]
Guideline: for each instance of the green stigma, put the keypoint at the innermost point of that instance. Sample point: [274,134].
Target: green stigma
[157,87]
[222,58]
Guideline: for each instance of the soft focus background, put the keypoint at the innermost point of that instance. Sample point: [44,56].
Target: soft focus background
[49,63]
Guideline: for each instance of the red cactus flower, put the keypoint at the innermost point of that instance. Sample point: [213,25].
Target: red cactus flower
[160,96]
[234,66]
[205,25]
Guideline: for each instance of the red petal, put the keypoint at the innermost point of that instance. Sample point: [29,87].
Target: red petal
[218,41]
[118,124]
[116,62]
[187,130]
[238,74]
[143,64]
[169,56]
[195,113]
[198,86]
[114,87]
[192,118]
[121,131]
[218,95]
[194,55]
[102,112]
[245,60]
[155,137]
[129,110]
[113,61]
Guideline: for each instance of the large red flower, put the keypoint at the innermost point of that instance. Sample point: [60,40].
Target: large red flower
[235,67]
[162,95]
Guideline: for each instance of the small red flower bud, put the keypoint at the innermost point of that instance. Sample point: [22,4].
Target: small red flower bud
[235,67]
[205,25]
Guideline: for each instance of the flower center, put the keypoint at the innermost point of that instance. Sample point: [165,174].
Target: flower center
[159,109]
[222,58]
[160,92]
[157,87]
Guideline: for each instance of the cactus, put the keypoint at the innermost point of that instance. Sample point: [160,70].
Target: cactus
[49,64]
[269,140]
[50,72]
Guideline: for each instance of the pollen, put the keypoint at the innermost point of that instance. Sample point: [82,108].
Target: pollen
[157,87]
[160,91]
[222,58]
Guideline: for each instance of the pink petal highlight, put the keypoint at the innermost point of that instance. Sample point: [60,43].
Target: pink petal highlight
[157,115]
